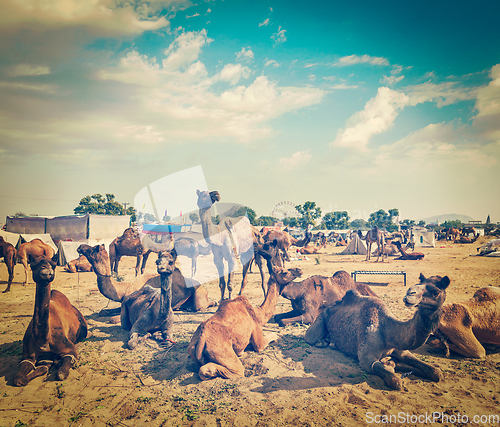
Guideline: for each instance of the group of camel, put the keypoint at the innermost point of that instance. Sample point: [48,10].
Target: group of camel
[341,312]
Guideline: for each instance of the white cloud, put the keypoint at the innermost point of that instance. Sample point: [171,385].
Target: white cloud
[393,78]
[272,63]
[185,49]
[101,16]
[363,59]
[377,117]
[343,86]
[279,36]
[29,70]
[442,94]
[244,55]
[488,98]
[233,73]
[298,158]
[45,88]
[263,24]
[310,65]
[192,16]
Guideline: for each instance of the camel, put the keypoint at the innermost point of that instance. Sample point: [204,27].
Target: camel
[54,329]
[465,239]
[235,237]
[8,252]
[406,256]
[364,328]
[465,326]
[148,311]
[187,294]
[34,248]
[150,245]
[79,264]
[488,247]
[390,249]
[219,341]
[128,244]
[310,250]
[452,232]
[312,295]
[465,231]
[285,241]
[373,236]
[192,249]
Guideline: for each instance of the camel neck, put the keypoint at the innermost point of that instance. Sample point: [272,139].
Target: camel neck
[413,333]
[268,307]
[41,313]
[166,294]
[110,288]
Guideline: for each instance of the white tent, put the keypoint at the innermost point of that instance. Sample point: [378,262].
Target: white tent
[355,247]
[67,251]
[12,238]
[424,238]
[43,237]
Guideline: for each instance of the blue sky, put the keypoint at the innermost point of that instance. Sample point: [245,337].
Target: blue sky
[358,107]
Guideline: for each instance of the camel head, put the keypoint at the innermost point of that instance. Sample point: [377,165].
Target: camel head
[44,269]
[283,277]
[430,292]
[98,258]
[206,199]
[269,250]
[165,264]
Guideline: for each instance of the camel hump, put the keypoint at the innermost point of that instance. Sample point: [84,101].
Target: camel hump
[456,312]
[341,275]
[352,296]
[487,294]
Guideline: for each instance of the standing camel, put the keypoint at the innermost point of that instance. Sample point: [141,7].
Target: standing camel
[8,252]
[374,236]
[150,245]
[192,249]
[34,248]
[235,237]
[128,244]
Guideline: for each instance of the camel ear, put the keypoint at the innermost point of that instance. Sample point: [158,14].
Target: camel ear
[198,192]
[421,277]
[443,284]
[173,252]
[55,258]
[275,243]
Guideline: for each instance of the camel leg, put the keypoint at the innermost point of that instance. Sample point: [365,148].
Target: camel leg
[200,300]
[68,360]
[258,261]
[245,272]
[193,265]
[463,341]
[117,261]
[305,319]
[259,342]
[219,264]
[232,368]
[386,371]
[426,370]
[27,372]
[24,261]
[317,334]
[144,261]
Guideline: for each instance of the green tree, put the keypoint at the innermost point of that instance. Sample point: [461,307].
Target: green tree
[338,220]
[408,222]
[99,205]
[383,220]
[454,223]
[421,223]
[358,224]
[194,217]
[309,214]
[291,222]
[245,211]
[265,221]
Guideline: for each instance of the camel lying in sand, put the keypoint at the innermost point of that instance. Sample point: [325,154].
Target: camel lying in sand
[148,311]
[35,248]
[364,328]
[80,264]
[187,294]
[312,295]
[54,329]
[465,326]
[220,340]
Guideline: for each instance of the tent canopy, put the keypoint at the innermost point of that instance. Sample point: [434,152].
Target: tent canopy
[12,238]
[355,247]
[67,251]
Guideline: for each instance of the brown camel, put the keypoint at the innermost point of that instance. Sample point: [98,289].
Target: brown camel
[311,250]
[34,248]
[414,256]
[80,264]
[8,252]
[54,329]
[187,294]
[452,232]
[465,326]
[465,239]
[364,328]
[219,341]
[312,295]
[285,241]
[390,249]
[128,244]
[373,236]
[468,230]
[148,311]
[234,238]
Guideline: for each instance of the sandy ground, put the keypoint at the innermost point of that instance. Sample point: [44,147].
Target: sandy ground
[290,383]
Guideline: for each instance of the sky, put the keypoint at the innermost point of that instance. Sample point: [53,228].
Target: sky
[357,106]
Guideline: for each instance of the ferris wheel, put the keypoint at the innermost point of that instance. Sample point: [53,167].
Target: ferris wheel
[284,210]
